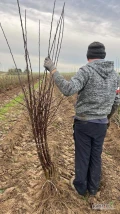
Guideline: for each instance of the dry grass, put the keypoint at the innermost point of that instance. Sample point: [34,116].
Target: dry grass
[8,82]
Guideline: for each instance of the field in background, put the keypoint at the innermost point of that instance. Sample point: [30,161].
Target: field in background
[8,82]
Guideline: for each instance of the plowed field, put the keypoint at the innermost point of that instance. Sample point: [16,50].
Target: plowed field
[21,175]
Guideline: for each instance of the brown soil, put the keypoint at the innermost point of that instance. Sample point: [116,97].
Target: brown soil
[11,93]
[22,179]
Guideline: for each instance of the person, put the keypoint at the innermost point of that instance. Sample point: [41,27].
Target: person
[96,84]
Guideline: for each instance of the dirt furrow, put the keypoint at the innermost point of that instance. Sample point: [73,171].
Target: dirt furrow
[6,96]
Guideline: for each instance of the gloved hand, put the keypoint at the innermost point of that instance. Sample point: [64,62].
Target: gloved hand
[49,65]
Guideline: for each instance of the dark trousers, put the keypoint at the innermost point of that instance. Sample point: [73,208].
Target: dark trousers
[89,138]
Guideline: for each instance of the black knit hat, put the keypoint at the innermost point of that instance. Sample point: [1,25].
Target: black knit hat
[96,50]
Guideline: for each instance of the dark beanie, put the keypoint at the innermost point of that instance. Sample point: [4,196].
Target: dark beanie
[96,50]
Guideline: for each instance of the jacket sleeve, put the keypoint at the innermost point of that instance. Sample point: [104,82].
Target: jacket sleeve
[116,102]
[71,87]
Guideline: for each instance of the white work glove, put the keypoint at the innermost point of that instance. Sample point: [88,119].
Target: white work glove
[49,65]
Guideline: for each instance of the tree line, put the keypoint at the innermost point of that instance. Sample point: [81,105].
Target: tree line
[14,71]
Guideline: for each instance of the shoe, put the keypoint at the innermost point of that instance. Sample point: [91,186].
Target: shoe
[73,187]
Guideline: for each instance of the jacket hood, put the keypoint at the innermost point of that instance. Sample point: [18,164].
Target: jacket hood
[102,67]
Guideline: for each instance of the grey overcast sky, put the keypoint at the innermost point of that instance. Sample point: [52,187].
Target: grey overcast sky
[85,21]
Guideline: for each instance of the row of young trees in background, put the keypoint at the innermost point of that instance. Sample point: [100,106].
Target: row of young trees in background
[14,71]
